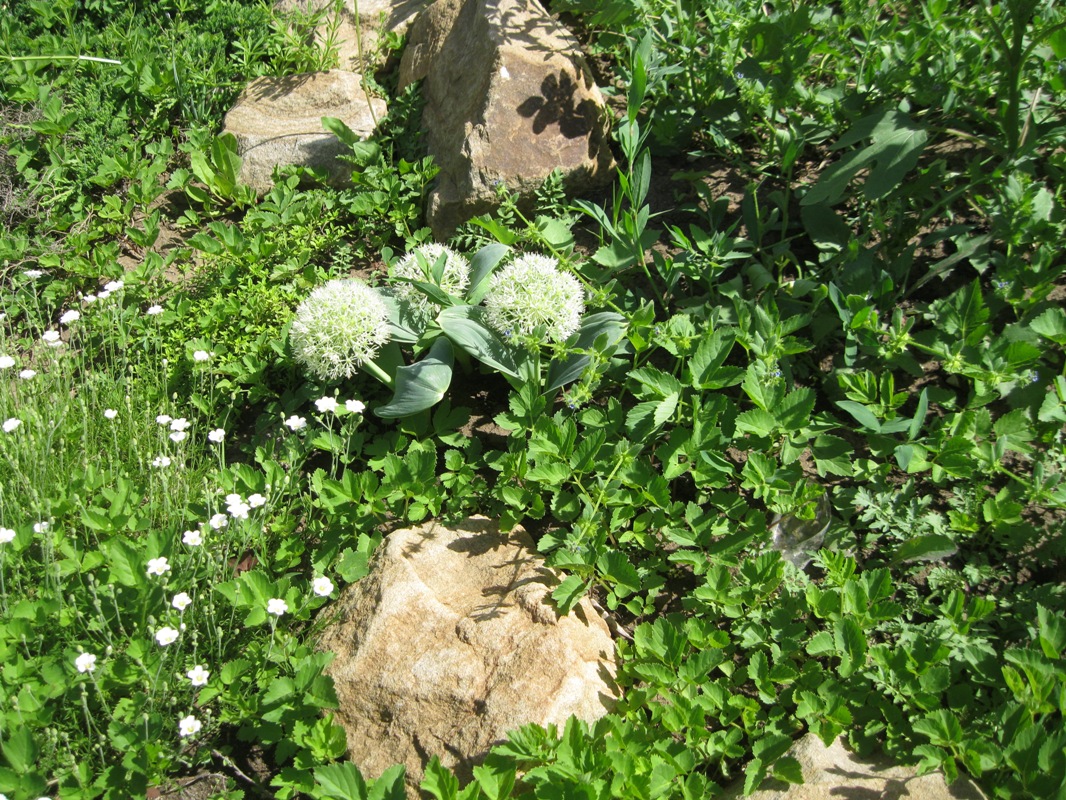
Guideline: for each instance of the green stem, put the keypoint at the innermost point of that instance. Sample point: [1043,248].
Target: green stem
[378,373]
[64,58]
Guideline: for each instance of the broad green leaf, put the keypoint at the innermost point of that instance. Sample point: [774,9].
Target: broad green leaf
[390,786]
[850,644]
[895,143]
[341,781]
[1051,632]
[832,455]
[615,566]
[941,726]
[1051,325]
[707,365]
[482,265]
[465,326]
[496,777]
[862,414]
[757,422]
[20,750]
[422,384]
[440,782]
[567,593]
[602,331]
[125,562]
[930,547]
[794,412]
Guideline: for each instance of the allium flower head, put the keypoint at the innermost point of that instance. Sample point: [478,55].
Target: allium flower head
[338,328]
[453,280]
[532,291]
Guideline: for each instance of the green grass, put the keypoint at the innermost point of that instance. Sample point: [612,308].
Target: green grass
[863,347]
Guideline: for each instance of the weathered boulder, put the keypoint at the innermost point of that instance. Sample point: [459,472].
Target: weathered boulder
[508,99]
[450,642]
[833,772]
[278,122]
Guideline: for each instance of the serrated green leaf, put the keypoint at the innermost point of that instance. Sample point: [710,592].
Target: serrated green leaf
[568,593]
[440,782]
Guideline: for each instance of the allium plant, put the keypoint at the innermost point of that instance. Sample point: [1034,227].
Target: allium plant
[421,265]
[532,292]
[339,328]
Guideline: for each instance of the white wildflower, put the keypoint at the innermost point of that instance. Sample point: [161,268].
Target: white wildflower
[201,356]
[180,424]
[193,538]
[322,586]
[86,662]
[189,726]
[6,362]
[11,424]
[166,635]
[198,676]
[277,606]
[164,419]
[354,406]
[181,601]
[27,374]
[110,413]
[217,435]
[256,500]
[326,405]
[154,310]
[218,521]
[69,317]
[161,462]
[158,566]
[6,535]
[296,423]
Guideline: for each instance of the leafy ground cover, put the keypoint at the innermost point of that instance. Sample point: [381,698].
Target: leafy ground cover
[805,444]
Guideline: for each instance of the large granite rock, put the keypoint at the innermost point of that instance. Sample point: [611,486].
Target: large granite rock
[278,122]
[834,772]
[450,642]
[508,99]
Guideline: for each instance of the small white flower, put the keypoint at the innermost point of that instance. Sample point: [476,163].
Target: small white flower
[239,510]
[296,423]
[233,498]
[217,435]
[198,676]
[256,500]
[201,355]
[218,521]
[33,274]
[322,586]
[110,413]
[181,601]
[326,404]
[6,362]
[86,662]
[51,338]
[103,294]
[154,310]
[6,535]
[277,606]
[158,566]
[69,317]
[166,635]
[354,406]
[189,726]
[180,424]
[89,299]
[193,538]
[161,462]
[113,286]
[178,436]
[41,527]
[164,419]
[11,424]
[27,374]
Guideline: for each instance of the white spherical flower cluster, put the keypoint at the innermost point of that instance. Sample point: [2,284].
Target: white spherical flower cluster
[532,291]
[338,328]
[454,279]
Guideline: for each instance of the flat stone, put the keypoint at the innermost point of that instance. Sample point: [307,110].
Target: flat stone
[278,122]
[450,642]
[834,772]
